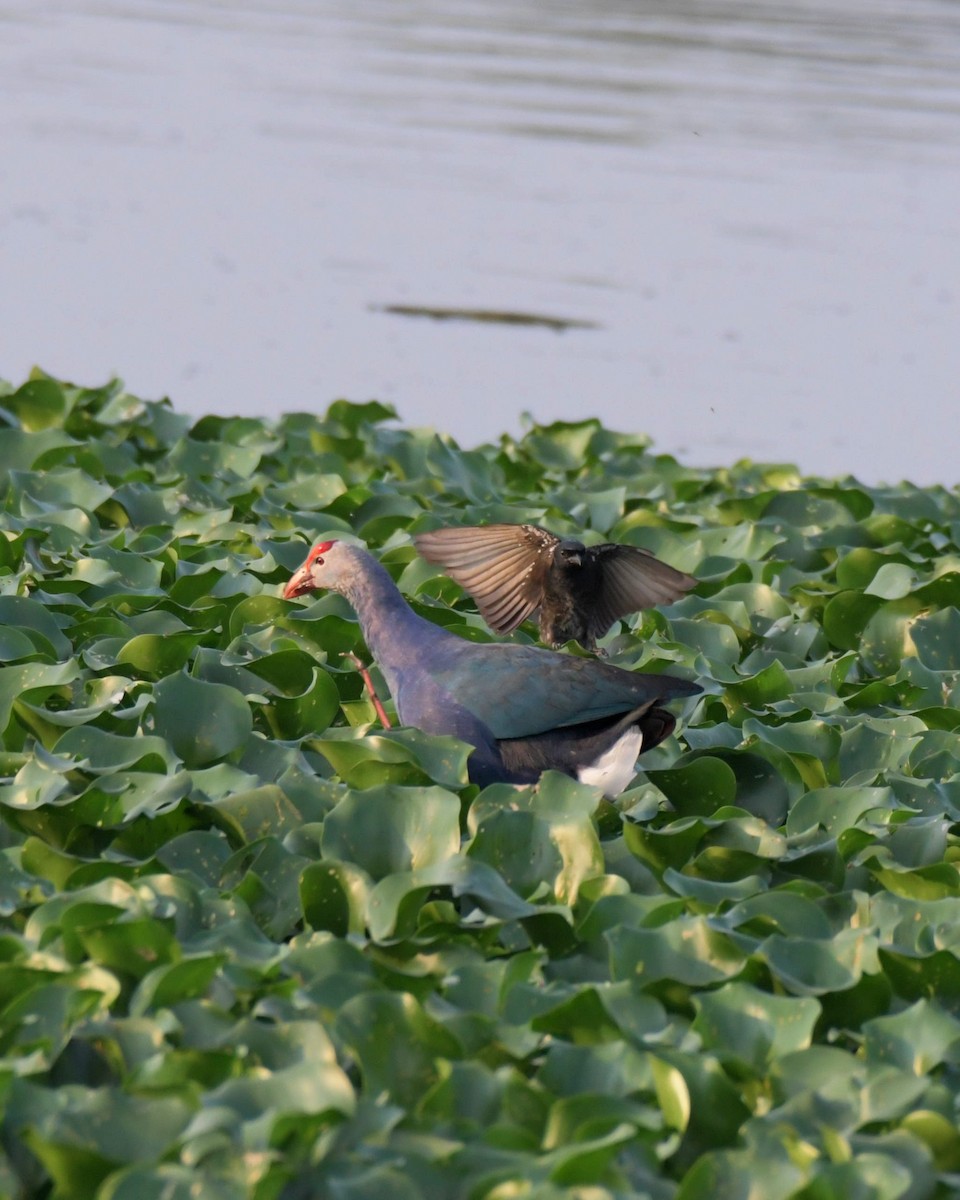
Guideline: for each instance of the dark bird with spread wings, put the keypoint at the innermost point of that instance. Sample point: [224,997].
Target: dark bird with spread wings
[514,570]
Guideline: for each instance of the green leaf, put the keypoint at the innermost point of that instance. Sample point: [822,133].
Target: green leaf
[38,404]
[156,655]
[389,829]
[334,896]
[309,712]
[169,1181]
[79,1140]
[937,639]
[204,722]
[812,966]
[396,1044]
[892,581]
[917,1039]
[541,840]
[835,809]
[686,951]
[31,618]
[739,1021]
[31,679]
[697,788]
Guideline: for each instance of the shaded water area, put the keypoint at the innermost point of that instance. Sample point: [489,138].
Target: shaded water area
[735,226]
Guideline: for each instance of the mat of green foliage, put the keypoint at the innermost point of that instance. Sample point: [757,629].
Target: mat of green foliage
[253,947]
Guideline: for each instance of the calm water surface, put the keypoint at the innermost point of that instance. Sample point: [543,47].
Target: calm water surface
[757,205]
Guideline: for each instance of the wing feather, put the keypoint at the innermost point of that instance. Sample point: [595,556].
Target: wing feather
[501,566]
[632,579]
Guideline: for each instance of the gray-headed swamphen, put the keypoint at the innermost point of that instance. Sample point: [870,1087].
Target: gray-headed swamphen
[523,709]
[513,570]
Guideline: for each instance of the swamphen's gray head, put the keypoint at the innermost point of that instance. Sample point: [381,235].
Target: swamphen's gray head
[330,565]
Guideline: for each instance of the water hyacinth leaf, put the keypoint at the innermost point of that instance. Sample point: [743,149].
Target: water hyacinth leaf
[156,655]
[45,713]
[258,611]
[264,876]
[253,813]
[80,1141]
[581,1016]
[109,566]
[875,746]
[717,642]
[697,1099]
[394,903]
[442,758]
[30,617]
[697,787]
[38,404]
[176,982]
[858,566]
[887,638]
[760,787]
[767,1171]
[203,721]
[563,444]
[739,1020]
[303,1088]
[847,615]
[396,1044]
[687,952]
[22,889]
[43,1018]
[917,1039]
[672,845]
[937,639]
[813,738]
[813,967]
[169,1181]
[536,854]
[892,581]
[389,829]
[587,1160]
[334,896]
[199,856]
[308,713]
[766,687]
[938,1133]
[362,762]
[837,808]
[197,460]
[400,755]
[16,682]
[97,752]
[15,645]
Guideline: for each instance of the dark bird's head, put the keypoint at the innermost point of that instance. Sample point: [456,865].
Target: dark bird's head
[569,553]
[328,565]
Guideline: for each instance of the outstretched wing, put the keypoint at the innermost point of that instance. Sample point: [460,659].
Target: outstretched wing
[632,579]
[501,566]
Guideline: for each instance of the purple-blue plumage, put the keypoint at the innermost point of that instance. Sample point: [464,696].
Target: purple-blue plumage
[524,709]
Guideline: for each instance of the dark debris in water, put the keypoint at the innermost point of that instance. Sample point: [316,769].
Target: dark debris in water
[486,316]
